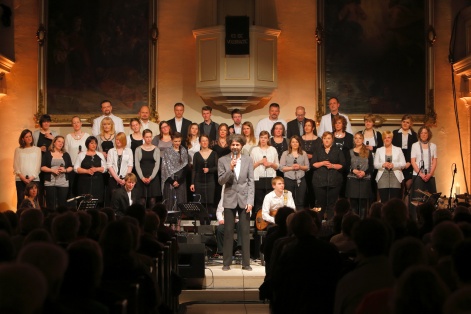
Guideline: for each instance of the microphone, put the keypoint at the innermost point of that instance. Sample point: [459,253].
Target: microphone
[80,148]
[358,167]
[388,159]
[199,199]
[367,143]
[78,197]
[422,165]
[454,170]
[205,164]
[425,171]
[234,153]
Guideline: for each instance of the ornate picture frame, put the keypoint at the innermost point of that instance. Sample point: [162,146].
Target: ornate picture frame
[376,57]
[91,51]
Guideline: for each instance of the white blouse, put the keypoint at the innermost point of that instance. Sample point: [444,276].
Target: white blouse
[74,146]
[27,161]
[272,156]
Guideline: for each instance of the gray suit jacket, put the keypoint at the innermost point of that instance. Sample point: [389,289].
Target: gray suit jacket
[237,191]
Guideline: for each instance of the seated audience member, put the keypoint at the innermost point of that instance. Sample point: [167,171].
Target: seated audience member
[30,219]
[82,277]
[461,260]
[126,196]
[149,245]
[13,219]
[404,253]
[38,235]
[277,198]
[394,213]
[333,226]
[372,240]
[85,223]
[121,265]
[7,251]
[278,231]
[419,290]
[343,241]
[461,214]
[445,237]
[458,302]
[164,233]
[305,285]
[375,210]
[51,260]
[64,228]
[23,289]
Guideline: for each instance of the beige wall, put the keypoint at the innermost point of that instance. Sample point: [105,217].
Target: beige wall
[176,77]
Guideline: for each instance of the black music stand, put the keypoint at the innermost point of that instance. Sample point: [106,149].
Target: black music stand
[191,210]
[88,204]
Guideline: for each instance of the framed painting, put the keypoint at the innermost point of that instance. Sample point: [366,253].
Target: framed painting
[90,51]
[376,56]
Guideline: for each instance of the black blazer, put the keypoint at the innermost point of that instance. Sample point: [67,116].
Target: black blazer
[411,139]
[185,125]
[292,128]
[120,200]
[213,133]
[46,160]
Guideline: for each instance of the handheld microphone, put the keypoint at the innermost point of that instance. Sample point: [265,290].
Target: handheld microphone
[27,177]
[388,159]
[425,171]
[367,143]
[234,153]
[422,164]
[358,167]
[80,148]
[205,164]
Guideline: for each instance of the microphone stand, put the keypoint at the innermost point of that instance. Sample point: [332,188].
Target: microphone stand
[451,188]
[413,182]
[389,179]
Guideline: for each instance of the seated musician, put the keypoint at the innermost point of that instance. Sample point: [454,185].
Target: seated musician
[124,197]
[277,198]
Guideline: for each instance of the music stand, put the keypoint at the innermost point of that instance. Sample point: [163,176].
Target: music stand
[88,204]
[191,210]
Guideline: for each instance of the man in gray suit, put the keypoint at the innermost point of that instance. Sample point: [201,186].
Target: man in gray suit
[236,172]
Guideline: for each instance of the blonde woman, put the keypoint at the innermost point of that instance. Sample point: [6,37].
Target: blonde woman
[119,163]
[107,135]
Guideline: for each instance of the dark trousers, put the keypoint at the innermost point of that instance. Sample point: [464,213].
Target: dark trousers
[220,237]
[56,196]
[429,187]
[326,197]
[244,227]
[299,192]
[388,194]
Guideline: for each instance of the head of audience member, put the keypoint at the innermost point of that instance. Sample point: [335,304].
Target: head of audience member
[50,259]
[461,213]
[407,121]
[83,274]
[12,217]
[303,225]
[31,219]
[349,221]
[144,113]
[7,250]
[94,232]
[458,302]
[137,211]
[395,213]
[151,223]
[334,105]
[236,116]
[85,223]
[371,238]
[340,123]
[38,235]
[103,221]
[441,215]
[106,107]
[407,252]
[445,237]
[179,109]
[26,138]
[274,111]
[135,230]
[109,213]
[65,228]
[165,129]
[281,216]
[461,257]
[45,122]
[375,210]
[206,113]
[161,211]
[5,224]
[116,241]
[419,290]
[465,227]
[278,129]
[23,289]
[425,213]
[341,207]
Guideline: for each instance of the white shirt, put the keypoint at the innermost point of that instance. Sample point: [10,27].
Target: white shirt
[266,125]
[272,156]
[272,202]
[237,168]
[415,153]
[326,124]
[27,161]
[126,161]
[178,124]
[118,124]
[72,145]
[238,129]
[405,137]
[195,147]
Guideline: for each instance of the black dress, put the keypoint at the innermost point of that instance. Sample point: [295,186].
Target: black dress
[91,184]
[280,148]
[205,183]
[309,147]
[147,166]
[134,144]
[345,144]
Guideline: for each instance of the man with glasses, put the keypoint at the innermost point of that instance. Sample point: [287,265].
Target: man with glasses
[296,126]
